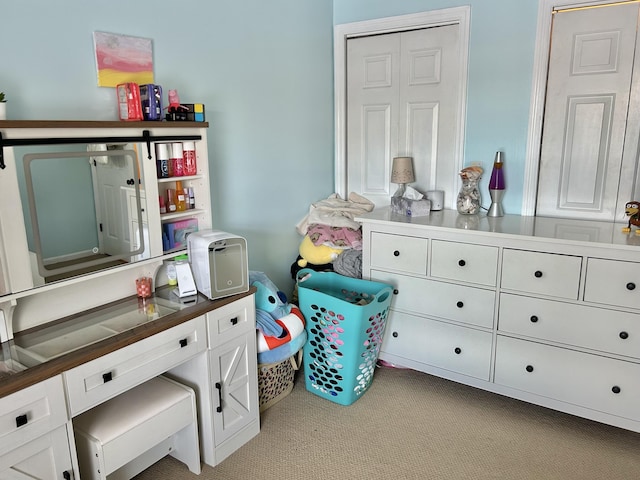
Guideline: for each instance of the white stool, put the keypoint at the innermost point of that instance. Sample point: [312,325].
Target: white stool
[125,435]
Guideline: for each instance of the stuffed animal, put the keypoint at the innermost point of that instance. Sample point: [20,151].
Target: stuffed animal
[316,254]
[632,210]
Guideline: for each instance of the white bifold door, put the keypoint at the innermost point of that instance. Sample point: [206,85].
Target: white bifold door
[589,152]
[402,100]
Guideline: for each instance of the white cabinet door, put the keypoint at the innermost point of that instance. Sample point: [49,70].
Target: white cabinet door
[583,162]
[235,386]
[402,101]
[46,458]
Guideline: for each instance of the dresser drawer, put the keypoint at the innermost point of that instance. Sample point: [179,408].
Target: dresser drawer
[613,282]
[395,252]
[450,347]
[544,273]
[459,303]
[231,320]
[464,262]
[31,412]
[105,377]
[583,326]
[590,381]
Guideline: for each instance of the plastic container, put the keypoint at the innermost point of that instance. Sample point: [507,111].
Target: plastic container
[189,155]
[162,160]
[345,322]
[177,159]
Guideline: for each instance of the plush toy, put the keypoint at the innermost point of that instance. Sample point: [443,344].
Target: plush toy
[632,210]
[280,324]
[316,254]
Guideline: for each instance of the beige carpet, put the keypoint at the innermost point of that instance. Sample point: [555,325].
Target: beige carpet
[414,426]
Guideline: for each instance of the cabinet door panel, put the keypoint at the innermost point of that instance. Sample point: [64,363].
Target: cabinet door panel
[44,458]
[458,349]
[235,386]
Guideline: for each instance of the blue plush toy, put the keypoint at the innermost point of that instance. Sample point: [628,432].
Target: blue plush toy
[280,325]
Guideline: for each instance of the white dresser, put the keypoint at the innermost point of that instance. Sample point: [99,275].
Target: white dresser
[540,309]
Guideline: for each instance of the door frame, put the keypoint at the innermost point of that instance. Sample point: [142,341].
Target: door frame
[449,16]
[538,94]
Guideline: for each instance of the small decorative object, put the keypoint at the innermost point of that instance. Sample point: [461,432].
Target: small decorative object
[632,210]
[402,173]
[3,106]
[468,202]
[143,287]
[496,187]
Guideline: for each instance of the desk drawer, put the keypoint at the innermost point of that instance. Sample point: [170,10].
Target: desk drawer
[544,273]
[103,378]
[439,299]
[590,381]
[439,344]
[231,320]
[31,412]
[609,331]
[464,262]
[395,252]
[613,282]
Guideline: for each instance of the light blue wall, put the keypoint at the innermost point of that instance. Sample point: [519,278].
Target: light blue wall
[264,71]
[501,55]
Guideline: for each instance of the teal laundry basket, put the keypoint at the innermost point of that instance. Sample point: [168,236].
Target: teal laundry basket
[345,321]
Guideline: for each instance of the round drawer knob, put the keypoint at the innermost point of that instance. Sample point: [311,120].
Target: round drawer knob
[529,368]
[631,286]
[458,350]
[459,304]
[533,318]
[537,274]
[616,389]
[462,263]
[395,334]
[396,253]
[624,335]
[395,291]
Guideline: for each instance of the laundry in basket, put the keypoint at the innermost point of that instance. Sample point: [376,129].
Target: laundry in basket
[345,321]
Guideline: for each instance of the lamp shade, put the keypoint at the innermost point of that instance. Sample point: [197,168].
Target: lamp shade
[402,170]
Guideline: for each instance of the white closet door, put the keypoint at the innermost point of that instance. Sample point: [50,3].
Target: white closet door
[402,101]
[589,83]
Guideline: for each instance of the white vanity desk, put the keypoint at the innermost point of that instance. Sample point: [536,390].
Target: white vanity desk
[539,309]
[73,338]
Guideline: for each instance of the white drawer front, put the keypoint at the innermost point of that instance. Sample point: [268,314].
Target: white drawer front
[464,262]
[103,378]
[231,320]
[31,412]
[395,252]
[439,299]
[583,326]
[613,282]
[450,347]
[590,381]
[544,273]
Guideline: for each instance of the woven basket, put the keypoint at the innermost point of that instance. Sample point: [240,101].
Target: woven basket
[276,380]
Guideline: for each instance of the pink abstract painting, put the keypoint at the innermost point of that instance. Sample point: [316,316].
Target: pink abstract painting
[121,58]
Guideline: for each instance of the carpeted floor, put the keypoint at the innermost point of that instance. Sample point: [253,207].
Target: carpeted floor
[414,426]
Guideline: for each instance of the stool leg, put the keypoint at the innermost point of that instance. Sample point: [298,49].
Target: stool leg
[187,448]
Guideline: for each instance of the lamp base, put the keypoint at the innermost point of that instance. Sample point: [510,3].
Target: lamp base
[495,209]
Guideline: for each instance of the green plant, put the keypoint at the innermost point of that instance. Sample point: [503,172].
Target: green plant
[2,97]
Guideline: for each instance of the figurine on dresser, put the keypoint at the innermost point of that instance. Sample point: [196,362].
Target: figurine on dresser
[632,210]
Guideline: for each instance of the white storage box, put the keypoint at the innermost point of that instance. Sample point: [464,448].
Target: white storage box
[125,435]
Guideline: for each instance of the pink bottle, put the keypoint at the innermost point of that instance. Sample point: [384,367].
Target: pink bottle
[189,155]
[177,159]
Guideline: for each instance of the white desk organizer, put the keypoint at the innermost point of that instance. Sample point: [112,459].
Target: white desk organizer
[127,434]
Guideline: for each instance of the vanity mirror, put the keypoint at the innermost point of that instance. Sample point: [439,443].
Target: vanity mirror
[82,207]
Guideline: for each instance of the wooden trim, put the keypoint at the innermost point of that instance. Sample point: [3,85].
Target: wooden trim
[97,124]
